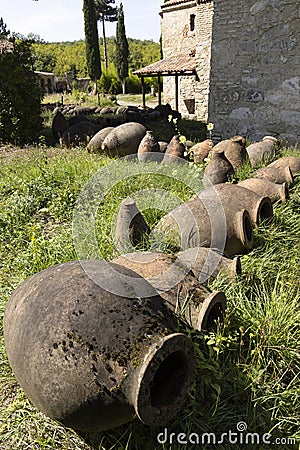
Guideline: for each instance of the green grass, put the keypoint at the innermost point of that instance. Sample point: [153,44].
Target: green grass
[248,370]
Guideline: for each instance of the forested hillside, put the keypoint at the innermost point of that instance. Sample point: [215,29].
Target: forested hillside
[62,57]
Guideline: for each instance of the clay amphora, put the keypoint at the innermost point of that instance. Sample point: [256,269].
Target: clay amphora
[131,226]
[262,151]
[266,188]
[178,286]
[204,221]
[234,150]
[293,162]
[90,358]
[174,151]
[201,150]
[238,197]
[147,147]
[217,170]
[206,263]
[277,175]
[59,125]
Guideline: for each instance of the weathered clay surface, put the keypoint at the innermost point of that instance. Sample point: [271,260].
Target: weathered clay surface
[59,125]
[277,175]
[96,142]
[263,151]
[206,263]
[206,221]
[174,151]
[217,170]
[267,188]
[177,284]
[124,139]
[131,227]
[234,150]
[293,162]
[92,359]
[147,147]
[78,133]
[201,150]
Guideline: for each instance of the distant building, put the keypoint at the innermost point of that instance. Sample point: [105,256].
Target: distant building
[233,63]
[48,81]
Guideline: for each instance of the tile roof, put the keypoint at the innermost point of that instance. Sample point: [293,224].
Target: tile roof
[175,3]
[6,46]
[181,63]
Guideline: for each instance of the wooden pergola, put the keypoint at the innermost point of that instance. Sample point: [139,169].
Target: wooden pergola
[174,66]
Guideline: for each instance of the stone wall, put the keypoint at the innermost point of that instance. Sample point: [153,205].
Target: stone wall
[255,68]
[177,38]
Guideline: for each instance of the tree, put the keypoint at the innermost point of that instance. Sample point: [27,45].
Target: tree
[122,49]
[106,13]
[4,32]
[92,41]
[20,95]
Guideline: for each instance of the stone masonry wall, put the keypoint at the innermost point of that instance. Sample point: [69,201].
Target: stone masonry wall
[177,38]
[255,68]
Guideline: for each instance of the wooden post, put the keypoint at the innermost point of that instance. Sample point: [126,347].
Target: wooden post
[159,89]
[143,91]
[176,93]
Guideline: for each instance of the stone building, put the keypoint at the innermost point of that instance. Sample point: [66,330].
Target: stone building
[246,64]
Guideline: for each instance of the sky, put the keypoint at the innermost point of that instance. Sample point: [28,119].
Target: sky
[62,20]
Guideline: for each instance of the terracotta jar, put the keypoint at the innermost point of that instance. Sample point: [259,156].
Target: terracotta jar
[93,359]
[149,149]
[206,263]
[206,221]
[178,286]
[217,170]
[293,162]
[262,151]
[238,197]
[201,150]
[277,175]
[174,151]
[131,226]
[266,188]
[234,150]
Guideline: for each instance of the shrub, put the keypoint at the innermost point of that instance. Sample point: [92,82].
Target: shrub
[20,95]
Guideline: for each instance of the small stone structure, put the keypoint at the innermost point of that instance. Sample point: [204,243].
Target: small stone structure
[247,64]
[48,81]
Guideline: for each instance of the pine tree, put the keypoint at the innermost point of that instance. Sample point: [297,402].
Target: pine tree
[106,12]
[4,32]
[91,41]
[122,50]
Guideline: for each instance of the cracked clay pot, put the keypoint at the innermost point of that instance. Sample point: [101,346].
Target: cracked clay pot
[93,348]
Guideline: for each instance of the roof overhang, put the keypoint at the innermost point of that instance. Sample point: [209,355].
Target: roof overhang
[179,64]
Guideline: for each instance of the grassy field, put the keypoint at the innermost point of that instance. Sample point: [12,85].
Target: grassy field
[247,371]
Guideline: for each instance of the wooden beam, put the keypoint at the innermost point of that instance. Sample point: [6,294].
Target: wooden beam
[143,91]
[176,93]
[159,89]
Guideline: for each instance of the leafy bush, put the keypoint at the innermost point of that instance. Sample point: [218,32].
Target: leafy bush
[20,96]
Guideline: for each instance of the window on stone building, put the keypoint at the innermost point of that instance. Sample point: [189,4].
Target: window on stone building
[192,22]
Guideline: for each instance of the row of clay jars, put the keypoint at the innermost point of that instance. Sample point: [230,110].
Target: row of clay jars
[262,151]
[92,358]
[150,149]
[219,217]
[131,228]
[178,286]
